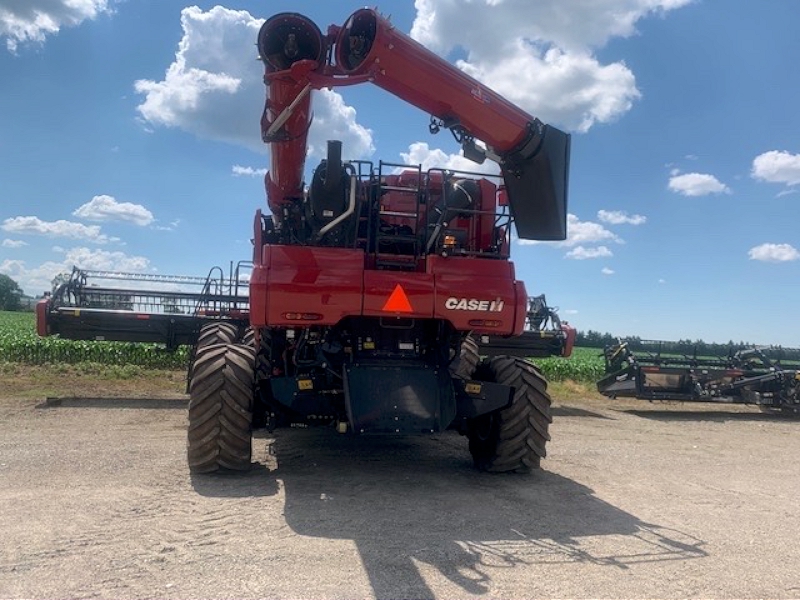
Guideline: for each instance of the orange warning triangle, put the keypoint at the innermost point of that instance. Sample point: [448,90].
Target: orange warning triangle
[398,301]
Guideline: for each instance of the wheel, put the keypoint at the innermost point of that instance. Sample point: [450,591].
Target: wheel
[221,408]
[249,337]
[268,412]
[219,332]
[513,438]
[463,366]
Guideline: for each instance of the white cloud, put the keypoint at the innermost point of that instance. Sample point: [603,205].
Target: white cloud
[106,208]
[697,184]
[240,171]
[774,253]
[335,120]
[580,233]
[544,59]
[662,281]
[572,90]
[213,89]
[24,21]
[13,268]
[444,24]
[620,217]
[36,280]
[586,232]
[60,228]
[582,253]
[419,153]
[777,167]
[9,243]
[103,260]
[173,225]
[607,271]
[213,81]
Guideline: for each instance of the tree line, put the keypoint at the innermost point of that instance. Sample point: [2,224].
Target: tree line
[595,339]
[10,294]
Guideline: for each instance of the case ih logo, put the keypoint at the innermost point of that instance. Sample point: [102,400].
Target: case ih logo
[474,304]
[480,95]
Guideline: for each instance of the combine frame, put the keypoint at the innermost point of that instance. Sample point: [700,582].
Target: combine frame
[374,285]
[655,370]
[105,306]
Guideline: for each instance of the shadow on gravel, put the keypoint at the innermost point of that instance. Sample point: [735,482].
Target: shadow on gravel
[178,402]
[573,411]
[411,504]
[254,483]
[711,415]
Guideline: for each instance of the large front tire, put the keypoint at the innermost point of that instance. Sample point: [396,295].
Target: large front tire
[513,438]
[221,408]
[217,332]
[463,366]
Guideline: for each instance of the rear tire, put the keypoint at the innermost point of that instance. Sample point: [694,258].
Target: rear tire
[464,365]
[513,438]
[269,412]
[221,409]
[249,337]
[219,332]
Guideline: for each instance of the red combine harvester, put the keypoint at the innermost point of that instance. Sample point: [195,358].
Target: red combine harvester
[376,288]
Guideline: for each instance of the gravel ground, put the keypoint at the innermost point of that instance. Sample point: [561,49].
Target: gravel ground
[634,500]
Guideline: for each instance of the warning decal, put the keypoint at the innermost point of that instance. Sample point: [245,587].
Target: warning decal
[398,301]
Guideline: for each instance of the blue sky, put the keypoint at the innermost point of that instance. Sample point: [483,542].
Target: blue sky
[129,140]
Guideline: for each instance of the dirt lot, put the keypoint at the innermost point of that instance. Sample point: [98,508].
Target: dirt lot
[635,500]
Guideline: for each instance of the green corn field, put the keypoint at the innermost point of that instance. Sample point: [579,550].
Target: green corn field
[586,365]
[20,344]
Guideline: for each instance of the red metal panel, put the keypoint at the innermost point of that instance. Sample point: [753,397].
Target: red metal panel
[521,308]
[569,343]
[306,280]
[477,294]
[259,291]
[475,266]
[41,318]
[380,285]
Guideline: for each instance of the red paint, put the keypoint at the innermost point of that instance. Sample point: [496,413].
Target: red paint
[571,333]
[407,69]
[305,279]
[42,308]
